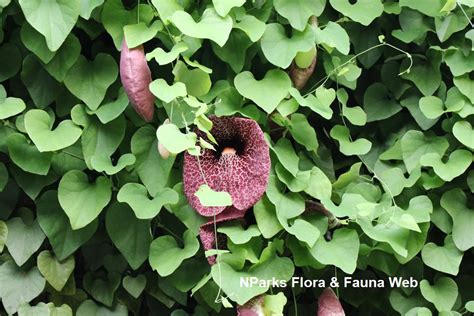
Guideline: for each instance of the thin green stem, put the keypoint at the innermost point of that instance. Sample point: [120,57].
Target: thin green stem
[294,301]
[169,231]
[350,60]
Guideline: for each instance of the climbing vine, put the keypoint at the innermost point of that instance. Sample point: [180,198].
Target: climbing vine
[154,153]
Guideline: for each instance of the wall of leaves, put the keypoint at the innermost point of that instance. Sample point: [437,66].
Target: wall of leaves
[94,221]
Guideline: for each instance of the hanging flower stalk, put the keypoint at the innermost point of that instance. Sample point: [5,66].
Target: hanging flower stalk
[302,67]
[240,165]
[328,304]
[136,77]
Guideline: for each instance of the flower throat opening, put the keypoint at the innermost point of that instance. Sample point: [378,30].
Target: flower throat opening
[234,146]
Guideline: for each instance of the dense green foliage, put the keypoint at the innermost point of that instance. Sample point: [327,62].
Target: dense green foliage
[93,220]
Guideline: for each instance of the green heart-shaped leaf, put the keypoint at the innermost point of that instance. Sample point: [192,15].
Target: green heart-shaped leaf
[129,234]
[265,215]
[429,7]
[319,184]
[89,6]
[40,14]
[38,126]
[54,271]
[234,52]
[103,163]
[394,178]
[347,146]
[10,106]
[455,203]
[276,81]
[415,144]
[44,309]
[465,86]
[457,61]
[136,195]
[26,156]
[445,259]
[253,27]
[391,233]
[89,80]
[167,93]
[110,111]
[320,102]
[303,132]
[406,221]
[298,11]
[174,140]
[378,104]
[458,162]
[442,293]
[137,34]
[341,251]
[362,11]
[55,224]
[10,61]
[90,308]
[432,107]
[288,204]
[81,200]
[164,58]
[36,43]
[32,184]
[237,234]
[152,169]
[464,132]
[470,306]
[223,7]
[210,26]
[286,155]
[101,139]
[23,240]
[64,58]
[42,88]
[333,36]
[103,290]
[197,81]
[166,256]
[281,50]
[134,286]
[209,198]
[229,279]
[19,286]
[115,16]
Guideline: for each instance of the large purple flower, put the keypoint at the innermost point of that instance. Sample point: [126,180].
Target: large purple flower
[240,166]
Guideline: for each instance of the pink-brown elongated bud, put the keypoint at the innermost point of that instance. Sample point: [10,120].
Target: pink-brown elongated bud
[302,67]
[300,76]
[252,308]
[164,153]
[328,304]
[136,77]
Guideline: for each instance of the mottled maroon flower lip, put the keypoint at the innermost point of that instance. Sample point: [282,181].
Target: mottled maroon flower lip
[240,165]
